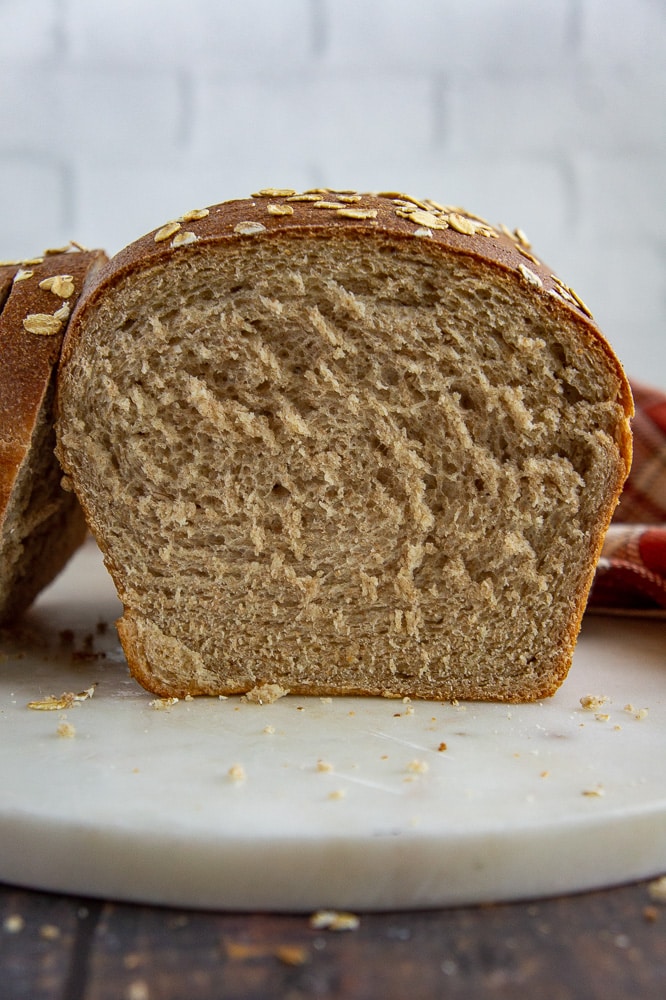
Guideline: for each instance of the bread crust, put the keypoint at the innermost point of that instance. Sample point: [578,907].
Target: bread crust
[27,388]
[285,217]
[508,252]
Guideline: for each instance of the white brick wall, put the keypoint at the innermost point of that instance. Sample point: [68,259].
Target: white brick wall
[551,115]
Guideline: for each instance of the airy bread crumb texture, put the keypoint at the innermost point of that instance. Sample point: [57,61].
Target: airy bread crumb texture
[342,466]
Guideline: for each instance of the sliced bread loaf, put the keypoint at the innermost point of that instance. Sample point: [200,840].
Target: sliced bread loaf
[40,524]
[343,444]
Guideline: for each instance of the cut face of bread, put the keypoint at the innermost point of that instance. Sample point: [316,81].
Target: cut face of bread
[41,525]
[343,452]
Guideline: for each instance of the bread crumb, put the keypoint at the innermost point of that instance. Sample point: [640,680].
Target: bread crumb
[324,766]
[269,730]
[638,713]
[333,920]
[66,700]
[418,766]
[602,716]
[651,914]
[593,702]
[292,954]
[49,932]
[159,704]
[66,730]
[137,990]
[13,924]
[657,890]
[339,793]
[51,703]
[326,701]
[265,694]
[237,773]
[240,950]
[442,747]
[594,793]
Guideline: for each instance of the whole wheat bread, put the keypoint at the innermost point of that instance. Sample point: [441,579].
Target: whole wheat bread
[41,525]
[345,444]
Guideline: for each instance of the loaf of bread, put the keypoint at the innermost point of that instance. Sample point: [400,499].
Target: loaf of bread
[41,525]
[343,444]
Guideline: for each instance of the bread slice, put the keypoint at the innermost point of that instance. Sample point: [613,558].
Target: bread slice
[343,444]
[40,524]
[7,272]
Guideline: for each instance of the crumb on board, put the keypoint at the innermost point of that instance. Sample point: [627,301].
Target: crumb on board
[66,730]
[237,773]
[418,766]
[594,793]
[593,702]
[657,890]
[334,920]
[324,766]
[265,694]
[638,713]
[66,700]
[159,704]
[339,793]
[269,730]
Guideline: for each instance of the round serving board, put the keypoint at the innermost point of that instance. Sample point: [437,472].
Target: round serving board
[309,803]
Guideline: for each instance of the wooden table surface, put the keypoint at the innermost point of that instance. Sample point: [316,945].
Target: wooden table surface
[608,944]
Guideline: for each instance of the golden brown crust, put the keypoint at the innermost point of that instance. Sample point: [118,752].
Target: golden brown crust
[7,272]
[330,213]
[36,312]
[28,358]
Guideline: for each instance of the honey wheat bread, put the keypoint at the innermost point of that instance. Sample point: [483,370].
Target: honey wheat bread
[343,444]
[41,525]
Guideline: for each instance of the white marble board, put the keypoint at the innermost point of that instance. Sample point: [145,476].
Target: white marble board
[140,803]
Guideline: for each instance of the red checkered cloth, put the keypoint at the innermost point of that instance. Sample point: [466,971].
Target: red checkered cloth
[631,574]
